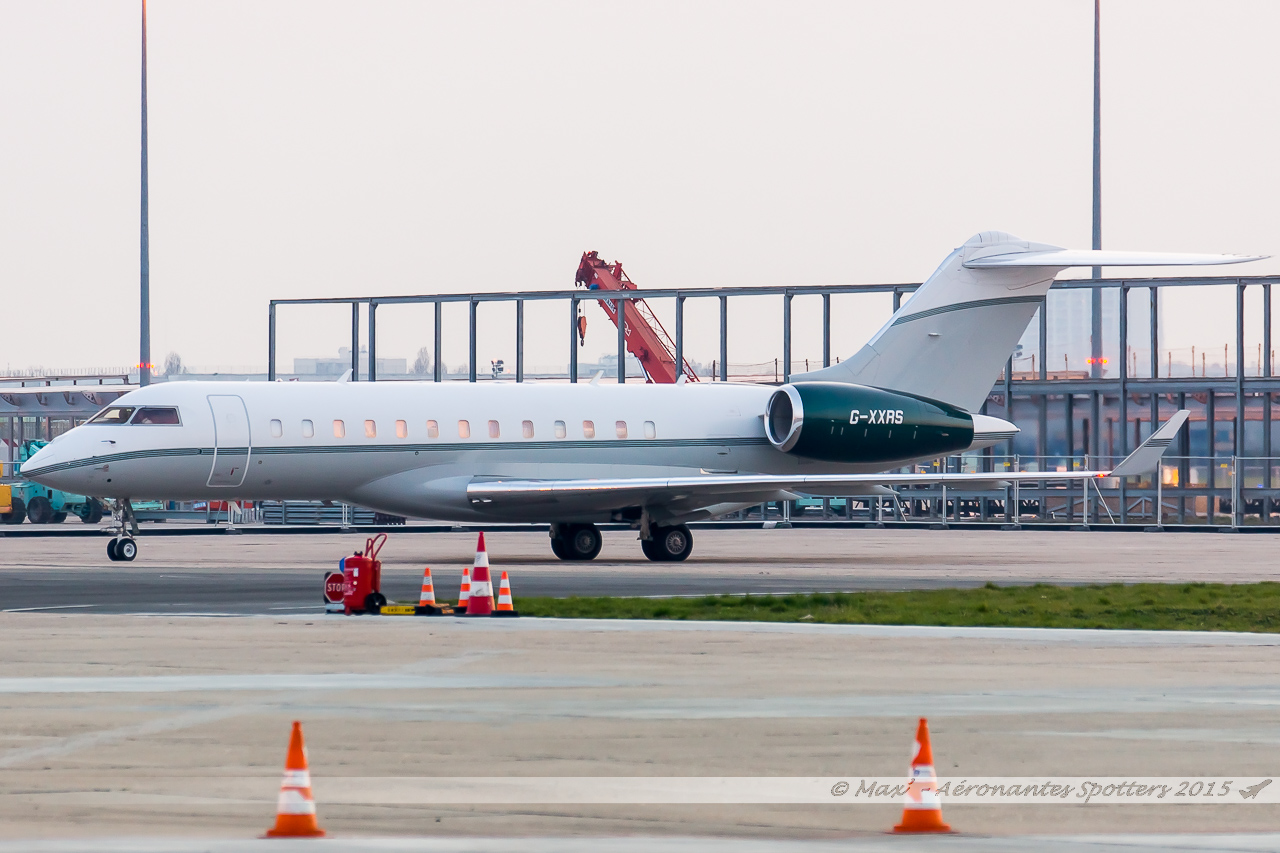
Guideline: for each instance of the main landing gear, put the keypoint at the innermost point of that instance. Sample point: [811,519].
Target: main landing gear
[668,544]
[575,541]
[580,542]
[123,547]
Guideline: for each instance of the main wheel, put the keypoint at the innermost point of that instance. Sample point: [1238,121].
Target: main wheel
[673,544]
[558,548]
[16,514]
[650,549]
[111,550]
[127,550]
[92,511]
[583,542]
[40,511]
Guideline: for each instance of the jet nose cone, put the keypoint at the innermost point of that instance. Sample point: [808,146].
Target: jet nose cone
[45,467]
[42,459]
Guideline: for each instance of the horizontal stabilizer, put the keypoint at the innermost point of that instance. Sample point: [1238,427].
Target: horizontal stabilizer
[950,340]
[1062,258]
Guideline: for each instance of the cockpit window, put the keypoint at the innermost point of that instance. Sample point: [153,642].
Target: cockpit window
[112,415]
[157,415]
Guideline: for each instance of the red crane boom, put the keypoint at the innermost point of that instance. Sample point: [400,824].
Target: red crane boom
[646,339]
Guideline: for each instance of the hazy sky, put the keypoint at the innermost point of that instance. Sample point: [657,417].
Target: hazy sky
[337,148]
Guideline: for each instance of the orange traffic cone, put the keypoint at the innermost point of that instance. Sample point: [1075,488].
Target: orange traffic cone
[922,811]
[506,607]
[465,593]
[428,597]
[295,810]
[481,601]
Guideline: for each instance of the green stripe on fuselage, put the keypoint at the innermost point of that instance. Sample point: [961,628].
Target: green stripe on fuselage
[305,450]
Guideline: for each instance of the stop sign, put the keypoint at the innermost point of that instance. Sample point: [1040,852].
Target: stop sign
[333,587]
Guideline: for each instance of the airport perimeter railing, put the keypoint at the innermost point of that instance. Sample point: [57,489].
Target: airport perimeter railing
[1043,370]
[1201,491]
[1095,409]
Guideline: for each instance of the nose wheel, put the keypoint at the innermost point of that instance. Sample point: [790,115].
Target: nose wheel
[123,547]
[122,550]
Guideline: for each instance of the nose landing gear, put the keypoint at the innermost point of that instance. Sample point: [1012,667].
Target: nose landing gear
[123,547]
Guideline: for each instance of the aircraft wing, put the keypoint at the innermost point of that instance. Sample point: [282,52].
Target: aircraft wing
[501,495]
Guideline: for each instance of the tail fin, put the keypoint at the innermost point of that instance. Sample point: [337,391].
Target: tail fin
[950,340]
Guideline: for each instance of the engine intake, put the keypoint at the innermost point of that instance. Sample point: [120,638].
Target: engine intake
[838,422]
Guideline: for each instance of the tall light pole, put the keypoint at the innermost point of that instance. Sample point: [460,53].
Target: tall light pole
[1095,348]
[144,341]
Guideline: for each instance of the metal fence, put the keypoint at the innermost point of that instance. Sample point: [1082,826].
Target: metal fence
[1185,491]
[1223,471]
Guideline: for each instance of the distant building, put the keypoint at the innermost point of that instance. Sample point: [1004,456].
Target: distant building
[609,364]
[1070,332]
[341,364]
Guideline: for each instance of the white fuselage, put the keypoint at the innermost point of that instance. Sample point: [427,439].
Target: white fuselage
[412,447]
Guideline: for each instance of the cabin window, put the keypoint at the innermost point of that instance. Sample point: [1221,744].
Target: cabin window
[621,429]
[402,429]
[526,429]
[308,429]
[650,431]
[464,429]
[277,428]
[588,429]
[339,429]
[370,429]
[165,416]
[494,432]
[112,415]
[561,432]
[433,429]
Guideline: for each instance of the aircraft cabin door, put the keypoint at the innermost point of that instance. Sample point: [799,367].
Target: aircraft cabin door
[231,440]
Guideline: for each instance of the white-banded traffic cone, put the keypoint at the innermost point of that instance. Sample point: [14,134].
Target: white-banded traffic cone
[428,596]
[464,594]
[481,601]
[506,607]
[922,811]
[295,809]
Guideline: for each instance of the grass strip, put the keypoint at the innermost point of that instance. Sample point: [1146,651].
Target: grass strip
[1147,606]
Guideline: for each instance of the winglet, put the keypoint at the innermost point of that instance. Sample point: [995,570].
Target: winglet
[1147,456]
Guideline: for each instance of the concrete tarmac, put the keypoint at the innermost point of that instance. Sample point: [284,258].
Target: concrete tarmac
[115,726]
[1112,843]
[281,573]
[127,726]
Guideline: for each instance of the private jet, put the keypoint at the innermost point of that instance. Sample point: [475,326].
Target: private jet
[574,456]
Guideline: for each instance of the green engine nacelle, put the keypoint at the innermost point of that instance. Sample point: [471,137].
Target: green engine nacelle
[836,422]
